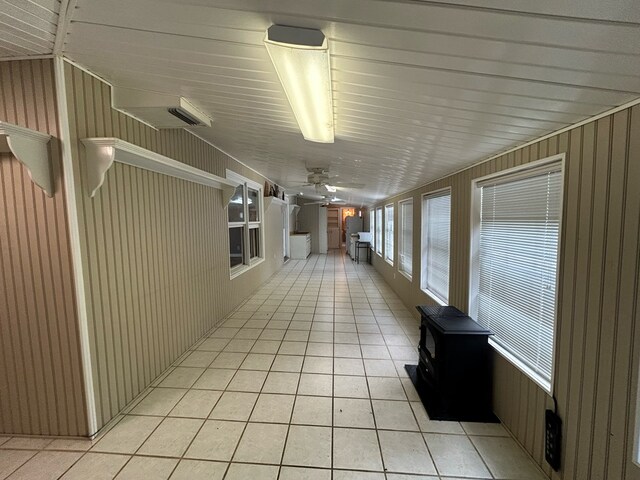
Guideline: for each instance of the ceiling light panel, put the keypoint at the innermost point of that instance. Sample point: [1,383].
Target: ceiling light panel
[301,59]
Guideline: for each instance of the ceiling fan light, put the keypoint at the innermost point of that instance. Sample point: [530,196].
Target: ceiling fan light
[301,59]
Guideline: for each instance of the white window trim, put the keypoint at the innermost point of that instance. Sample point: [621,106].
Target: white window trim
[378,252]
[400,227]
[384,243]
[636,432]
[372,228]
[245,267]
[521,171]
[435,193]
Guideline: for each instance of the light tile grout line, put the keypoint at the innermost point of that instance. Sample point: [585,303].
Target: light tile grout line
[247,424]
[268,302]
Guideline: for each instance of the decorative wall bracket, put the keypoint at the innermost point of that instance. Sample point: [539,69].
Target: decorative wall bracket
[268,201]
[102,152]
[31,149]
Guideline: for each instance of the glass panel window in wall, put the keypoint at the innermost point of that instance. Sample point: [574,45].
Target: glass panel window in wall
[379,230]
[236,246]
[637,435]
[246,247]
[254,242]
[372,227]
[436,226]
[236,205]
[253,199]
[388,233]
[405,237]
[515,261]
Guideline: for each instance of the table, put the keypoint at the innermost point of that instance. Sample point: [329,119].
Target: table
[360,245]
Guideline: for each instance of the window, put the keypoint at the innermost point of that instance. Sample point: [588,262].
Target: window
[388,233]
[379,231]
[236,246]
[245,225]
[372,227]
[637,432]
[253,201]
[405,238]
[436,226]
[514,264]
[254,242]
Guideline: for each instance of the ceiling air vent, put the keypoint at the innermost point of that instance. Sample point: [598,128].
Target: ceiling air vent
[184,116]
[160,110]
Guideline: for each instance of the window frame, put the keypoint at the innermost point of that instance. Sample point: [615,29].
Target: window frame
[248,262]
[372,228]
[441,192]
[387,207]
[636,431]
[378,232]
[232,225]
[512,174]
[402,203]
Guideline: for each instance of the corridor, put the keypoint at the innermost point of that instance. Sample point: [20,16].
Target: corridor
[305,380]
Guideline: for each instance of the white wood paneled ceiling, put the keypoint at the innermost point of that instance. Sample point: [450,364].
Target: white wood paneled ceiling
[28,27]
[421,88]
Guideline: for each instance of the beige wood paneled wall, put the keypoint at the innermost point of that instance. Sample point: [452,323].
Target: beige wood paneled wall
[154,249]
[41,386]
[598,340]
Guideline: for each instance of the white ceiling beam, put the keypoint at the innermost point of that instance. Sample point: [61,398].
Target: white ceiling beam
[67,7]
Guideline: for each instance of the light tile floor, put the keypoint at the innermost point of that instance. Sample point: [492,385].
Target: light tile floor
[305,380]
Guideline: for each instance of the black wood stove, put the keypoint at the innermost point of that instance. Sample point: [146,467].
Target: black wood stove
[453,375]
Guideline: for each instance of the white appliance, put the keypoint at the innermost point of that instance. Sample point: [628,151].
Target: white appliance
[352,226]
[365,236]
[300,244]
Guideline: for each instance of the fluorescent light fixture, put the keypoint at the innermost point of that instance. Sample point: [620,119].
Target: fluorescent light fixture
[331,188]
[301,59]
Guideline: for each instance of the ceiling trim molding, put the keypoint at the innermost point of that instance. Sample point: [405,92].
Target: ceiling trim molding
[67,7]
[107,82]
[209,142]
[85,70]
[606,113]
[27,57]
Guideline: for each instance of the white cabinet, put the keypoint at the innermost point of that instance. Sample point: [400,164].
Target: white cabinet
[300,244]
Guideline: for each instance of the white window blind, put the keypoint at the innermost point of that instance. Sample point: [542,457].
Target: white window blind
[379,230]
[405,237]
[436,226]
[372,226]
[388,233]
[517,264]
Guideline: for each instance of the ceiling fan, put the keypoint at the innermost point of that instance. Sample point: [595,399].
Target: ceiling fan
[326,201]
[319,178]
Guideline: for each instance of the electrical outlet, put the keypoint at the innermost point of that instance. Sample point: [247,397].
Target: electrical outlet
[553,439]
